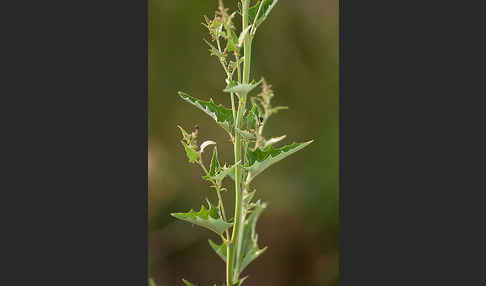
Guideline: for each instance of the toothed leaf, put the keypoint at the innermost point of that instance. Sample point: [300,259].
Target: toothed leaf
[222,115]
[192,154]
[250,250]
[259,160]
[214,167]
[223,172]
[185,135]
[247,197]
[241,88]
[252,118]
[208,218]
[232,43]
[219,249]
[245,134]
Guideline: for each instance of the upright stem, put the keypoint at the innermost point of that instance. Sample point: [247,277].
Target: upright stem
[234,247]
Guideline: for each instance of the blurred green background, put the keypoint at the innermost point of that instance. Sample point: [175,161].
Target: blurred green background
[296,50]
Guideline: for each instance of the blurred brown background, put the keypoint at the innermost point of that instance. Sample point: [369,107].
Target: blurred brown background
[296,50]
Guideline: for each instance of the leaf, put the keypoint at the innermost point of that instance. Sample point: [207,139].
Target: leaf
[206,144]
[278,108]
[241,88]
[250,250]
[246,135]
[272,141]
[266,8]
[240,282]
[219,249]
[224,171]
[213,50]
[151,282]
[186,136]
[192,155]
[208,218]
[247,197]
[214,167]
[260,160]
[187,282]
[252,118]
[222,115]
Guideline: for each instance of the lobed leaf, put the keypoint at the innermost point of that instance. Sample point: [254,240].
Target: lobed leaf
[223,116]
[259,160]
[208,218]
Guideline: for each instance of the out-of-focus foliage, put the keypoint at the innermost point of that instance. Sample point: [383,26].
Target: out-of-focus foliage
[297,51]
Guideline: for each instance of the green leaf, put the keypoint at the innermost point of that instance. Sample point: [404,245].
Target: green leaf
[241,88]
[247,197]
[232,43]
[192,154]
[272,141]
[222,115]
[252,118]
[246,135]
[187,283]
[214,167]
[239,282]
[250,250]
[151,282]
[219,249]
[232,175]
[186,136]
[213,50]
[259,160]
[223,172]
[266,8]
[208,218]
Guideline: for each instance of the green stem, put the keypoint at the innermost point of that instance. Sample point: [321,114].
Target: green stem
[229,265]
[233,108]
[234,249]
